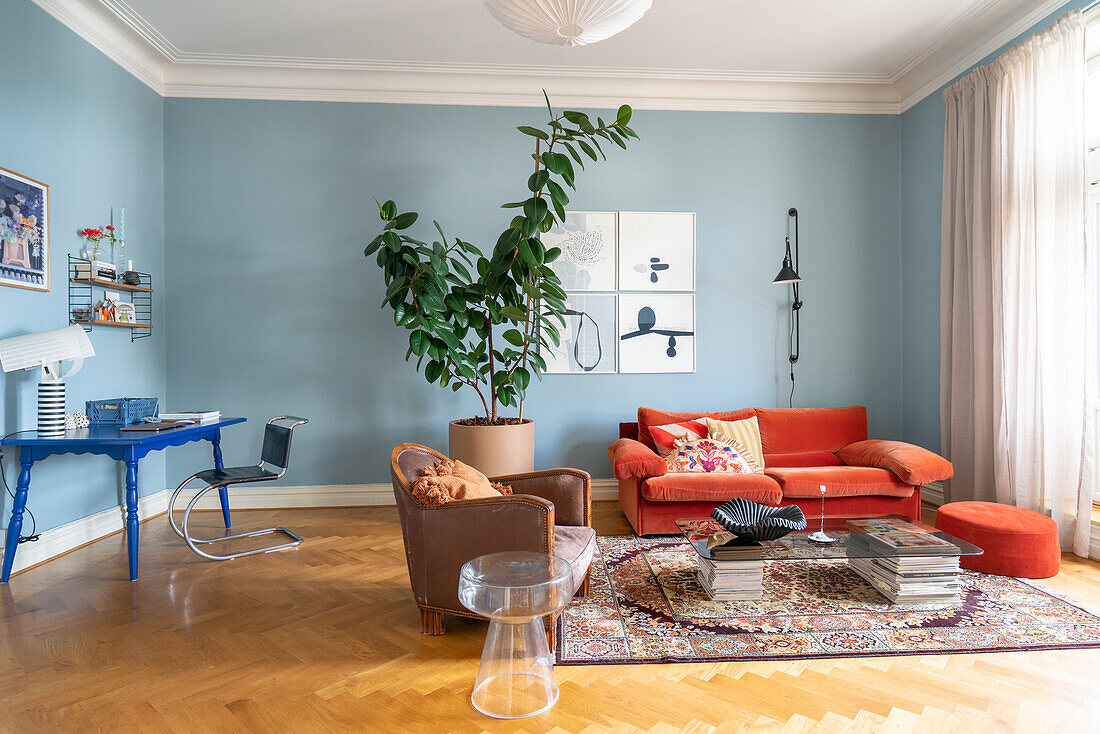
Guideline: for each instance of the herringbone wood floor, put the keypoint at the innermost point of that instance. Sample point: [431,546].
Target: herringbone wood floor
[325,638]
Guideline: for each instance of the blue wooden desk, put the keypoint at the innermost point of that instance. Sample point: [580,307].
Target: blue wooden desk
[127,446]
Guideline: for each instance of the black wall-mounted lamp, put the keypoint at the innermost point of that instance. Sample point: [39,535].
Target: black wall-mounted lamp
[789,274]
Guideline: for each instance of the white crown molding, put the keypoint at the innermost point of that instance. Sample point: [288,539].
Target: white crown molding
[96,26]
[928,76]
[124,36]
[70,536]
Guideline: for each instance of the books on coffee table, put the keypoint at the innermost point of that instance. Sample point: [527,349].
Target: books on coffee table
[902,590]
[731,580]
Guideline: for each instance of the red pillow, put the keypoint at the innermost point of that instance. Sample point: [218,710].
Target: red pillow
[648,417]
[665,437]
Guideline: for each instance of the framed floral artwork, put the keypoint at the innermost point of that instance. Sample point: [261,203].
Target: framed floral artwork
[24,232]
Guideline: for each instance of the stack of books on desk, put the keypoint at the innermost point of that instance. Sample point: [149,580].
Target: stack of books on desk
[732,580]
[194,416]
[925,580]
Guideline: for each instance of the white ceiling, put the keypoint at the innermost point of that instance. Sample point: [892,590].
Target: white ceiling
[878,56]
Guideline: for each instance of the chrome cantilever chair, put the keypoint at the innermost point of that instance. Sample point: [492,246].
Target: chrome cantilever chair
[274,453]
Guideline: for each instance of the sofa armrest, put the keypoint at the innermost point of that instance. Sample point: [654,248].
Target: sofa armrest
[913,464]
[569,489]
[633,459]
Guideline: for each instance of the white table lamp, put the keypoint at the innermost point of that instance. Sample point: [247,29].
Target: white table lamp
[46,350]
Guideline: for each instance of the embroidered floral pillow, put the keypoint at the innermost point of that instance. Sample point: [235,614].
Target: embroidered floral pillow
[710,455]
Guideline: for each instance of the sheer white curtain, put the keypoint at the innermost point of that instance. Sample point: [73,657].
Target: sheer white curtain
[1018,282]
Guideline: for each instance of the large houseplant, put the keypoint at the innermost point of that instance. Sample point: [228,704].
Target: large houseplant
[476,320]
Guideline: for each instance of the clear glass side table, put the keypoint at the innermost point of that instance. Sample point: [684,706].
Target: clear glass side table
[515,589]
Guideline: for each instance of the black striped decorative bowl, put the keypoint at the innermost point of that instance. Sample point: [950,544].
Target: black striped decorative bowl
[753,521]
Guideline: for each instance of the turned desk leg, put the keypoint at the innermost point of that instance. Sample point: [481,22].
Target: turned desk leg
[132,526]
[15,527]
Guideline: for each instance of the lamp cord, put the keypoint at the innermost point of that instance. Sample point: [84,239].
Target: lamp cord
[790,343]
[34,535]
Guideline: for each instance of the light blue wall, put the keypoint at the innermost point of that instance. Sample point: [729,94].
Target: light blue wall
[71,118]
[274,308]
[920,155]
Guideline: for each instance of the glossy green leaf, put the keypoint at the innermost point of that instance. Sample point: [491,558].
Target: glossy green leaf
[533,132]
[404,221]
[373,246]
[538,180]
[419,342]
[527,254]
[521,377]
[433,370]
[535,208]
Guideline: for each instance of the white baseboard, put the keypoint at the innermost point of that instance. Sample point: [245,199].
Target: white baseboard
[64,538]
[932,493]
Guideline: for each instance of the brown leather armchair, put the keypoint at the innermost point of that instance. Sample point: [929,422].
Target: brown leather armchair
[549,511]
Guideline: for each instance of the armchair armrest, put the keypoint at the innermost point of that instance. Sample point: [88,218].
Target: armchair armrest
[633,459]
[569,489]
[913,464]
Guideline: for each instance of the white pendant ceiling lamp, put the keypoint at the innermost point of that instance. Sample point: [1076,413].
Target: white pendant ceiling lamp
[568,22]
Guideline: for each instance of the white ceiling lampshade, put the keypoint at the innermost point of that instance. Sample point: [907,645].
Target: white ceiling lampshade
[568,22]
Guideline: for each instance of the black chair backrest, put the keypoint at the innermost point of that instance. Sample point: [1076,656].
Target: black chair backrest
[276,448]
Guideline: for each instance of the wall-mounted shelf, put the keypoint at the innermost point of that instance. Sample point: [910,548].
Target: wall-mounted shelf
[112,285]
[97,322]
[82,299]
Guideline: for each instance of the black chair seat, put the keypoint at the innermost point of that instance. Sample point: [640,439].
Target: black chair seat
[236,474]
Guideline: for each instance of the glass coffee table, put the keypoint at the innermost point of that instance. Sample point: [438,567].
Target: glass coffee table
[906,561]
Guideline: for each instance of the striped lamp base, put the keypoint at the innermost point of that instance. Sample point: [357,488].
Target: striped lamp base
[51,409]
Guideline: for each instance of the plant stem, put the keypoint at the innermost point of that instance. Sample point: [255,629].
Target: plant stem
[492,371]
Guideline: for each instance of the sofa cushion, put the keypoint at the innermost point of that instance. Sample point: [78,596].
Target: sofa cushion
[803,458]
[652,417]
[839,481]
[576,545]
[794,430]
[713,487]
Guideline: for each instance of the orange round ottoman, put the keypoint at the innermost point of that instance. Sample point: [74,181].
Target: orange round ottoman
[1017,542]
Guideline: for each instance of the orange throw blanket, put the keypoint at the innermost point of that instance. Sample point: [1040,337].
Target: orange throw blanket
[451,480]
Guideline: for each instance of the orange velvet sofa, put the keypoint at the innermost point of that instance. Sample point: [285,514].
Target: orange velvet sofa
[803,449]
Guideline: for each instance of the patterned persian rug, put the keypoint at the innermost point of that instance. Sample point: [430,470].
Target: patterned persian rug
[645,606]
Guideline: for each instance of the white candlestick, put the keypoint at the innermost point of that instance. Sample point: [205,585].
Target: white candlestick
[122,225]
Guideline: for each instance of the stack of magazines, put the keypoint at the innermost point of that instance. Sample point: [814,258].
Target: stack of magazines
[904,563]
[736,573]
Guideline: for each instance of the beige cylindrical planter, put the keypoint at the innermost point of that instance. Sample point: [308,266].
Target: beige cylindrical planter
[494,450]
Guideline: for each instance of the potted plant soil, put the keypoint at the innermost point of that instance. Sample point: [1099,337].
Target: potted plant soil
[478,320]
